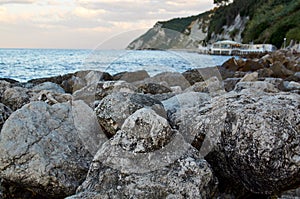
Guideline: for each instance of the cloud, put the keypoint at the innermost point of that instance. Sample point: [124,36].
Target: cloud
[2,2]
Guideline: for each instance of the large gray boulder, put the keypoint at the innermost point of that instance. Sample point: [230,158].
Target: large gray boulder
[257,142]
[146,159]
[44,148]
[115,108]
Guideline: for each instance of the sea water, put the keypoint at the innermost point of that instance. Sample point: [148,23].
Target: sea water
[26,64]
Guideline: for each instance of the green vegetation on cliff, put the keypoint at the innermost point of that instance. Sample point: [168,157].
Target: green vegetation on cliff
[269,21]
[181,24]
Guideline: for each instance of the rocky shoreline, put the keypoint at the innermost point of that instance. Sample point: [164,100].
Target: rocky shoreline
[231,131]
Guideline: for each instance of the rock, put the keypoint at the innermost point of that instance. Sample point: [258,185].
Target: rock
[280,71]
[4,114]
[291,86]
[251,77]
[153,88]
[170,79]
[212,86]
[277,82]
[11,81]
[161,97]
[265,72]
[231,64]
[193,76]
[144,131]
[115,108]
[297,74]
[188,177]
[291,194]
[184,101]
[229,84]
[51,97]
[258,146]
[96,92]
[57,79]
[84,79]
[3,86]
[131,76]
[116,173]
[258,85]
[49,86]
[250,65]
[41,149]
[16,97]
[225,73]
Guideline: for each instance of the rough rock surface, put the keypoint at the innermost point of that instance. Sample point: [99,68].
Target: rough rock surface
[95,92]
[258,143]
[258,85]
[144,131]
[169,79]
[131,76]
[153,88]
[115,108]
[3,86]
[160,170]
[16,97]
[41,150]
[49,86]
[4,114]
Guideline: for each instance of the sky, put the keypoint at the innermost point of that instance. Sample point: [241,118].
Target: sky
[86,24]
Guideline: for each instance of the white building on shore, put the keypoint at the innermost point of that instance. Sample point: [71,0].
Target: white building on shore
[228,47]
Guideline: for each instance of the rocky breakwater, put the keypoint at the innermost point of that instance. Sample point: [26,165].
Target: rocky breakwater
[231,131]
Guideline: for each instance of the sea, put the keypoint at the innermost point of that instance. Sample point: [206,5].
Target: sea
[25,64]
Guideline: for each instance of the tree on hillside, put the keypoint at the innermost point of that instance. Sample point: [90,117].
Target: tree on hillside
[221,2]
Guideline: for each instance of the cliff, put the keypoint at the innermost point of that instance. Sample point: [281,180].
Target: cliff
[242,21]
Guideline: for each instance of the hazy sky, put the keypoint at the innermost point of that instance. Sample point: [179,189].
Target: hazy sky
[86,23]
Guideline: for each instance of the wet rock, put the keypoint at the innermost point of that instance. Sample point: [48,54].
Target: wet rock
[257,144]
[115,108]
[131,76]
[41,149]
[169,79]
[16,97]
[257,85]
[5,112]
[251,77]
[11,81]
[49,86]
[153,88]
[229,84]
